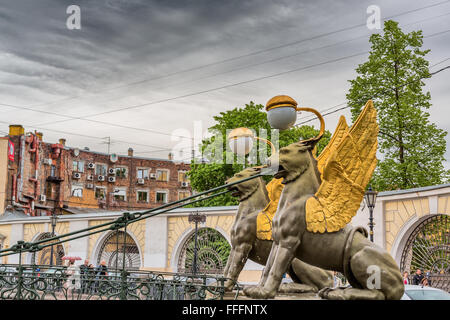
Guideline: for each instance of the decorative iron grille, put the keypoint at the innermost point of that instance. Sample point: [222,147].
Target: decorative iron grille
[428,249]
[212,252]
[42,257]
[115,248]
[31,282]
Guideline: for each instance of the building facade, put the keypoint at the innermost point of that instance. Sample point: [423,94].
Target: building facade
[407,223]
[42,178]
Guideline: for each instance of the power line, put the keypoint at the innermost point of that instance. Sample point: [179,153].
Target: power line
[187,95]
[384,91]
[215,89]
[270,61]
[196,93]
[306,121]
[253,53]
[89,136]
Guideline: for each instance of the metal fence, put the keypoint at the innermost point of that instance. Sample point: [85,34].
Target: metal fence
[45,282]
[32,282]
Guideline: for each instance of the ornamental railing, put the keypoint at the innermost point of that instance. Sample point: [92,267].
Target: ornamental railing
[32,282]
[25,282]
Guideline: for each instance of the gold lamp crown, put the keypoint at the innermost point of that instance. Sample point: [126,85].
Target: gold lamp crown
[282,113]
[246,134]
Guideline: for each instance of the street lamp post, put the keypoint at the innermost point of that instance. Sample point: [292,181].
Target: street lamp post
[53,219]
[196,218]
[370,197]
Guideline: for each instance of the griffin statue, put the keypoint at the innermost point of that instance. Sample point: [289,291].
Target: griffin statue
[313,211]
[251,236]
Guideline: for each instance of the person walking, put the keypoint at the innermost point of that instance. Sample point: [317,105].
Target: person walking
[406,277]
[84,272]
[101,273]
[418,277]
[73,277]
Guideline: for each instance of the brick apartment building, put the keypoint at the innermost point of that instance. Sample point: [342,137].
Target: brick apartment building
[43,178]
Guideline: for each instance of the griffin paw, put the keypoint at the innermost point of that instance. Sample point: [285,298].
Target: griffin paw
[229,285]
[332,294]
[258,293]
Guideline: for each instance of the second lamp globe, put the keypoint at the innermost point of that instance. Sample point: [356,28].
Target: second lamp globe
[281,112]
[240,141]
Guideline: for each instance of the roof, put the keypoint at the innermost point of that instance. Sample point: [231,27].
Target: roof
[77,210]
[125,156]
[421,189]
[13,215]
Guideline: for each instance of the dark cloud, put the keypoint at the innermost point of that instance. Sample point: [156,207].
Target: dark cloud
[43,64]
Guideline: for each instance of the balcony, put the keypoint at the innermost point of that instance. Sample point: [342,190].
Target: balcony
[54,179]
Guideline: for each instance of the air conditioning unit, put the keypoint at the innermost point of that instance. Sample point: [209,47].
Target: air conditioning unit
[111,179]
[112,171]
[113,157]
[42,198]
[152,175]
[185,184]
[76,175]
[91,165]
[48,161]
[101,178]
[141,181]
[90,186]
[90,177]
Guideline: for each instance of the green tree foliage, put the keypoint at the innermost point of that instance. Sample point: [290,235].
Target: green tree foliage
[413,148]
[204,176]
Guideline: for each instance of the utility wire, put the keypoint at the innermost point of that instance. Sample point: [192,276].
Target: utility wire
[96,138]
[272,60]
[182,96]
[379,92]
[205,91]
[213,89]
[253,53]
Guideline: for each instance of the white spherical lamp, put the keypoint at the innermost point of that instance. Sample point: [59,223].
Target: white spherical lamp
[240,141]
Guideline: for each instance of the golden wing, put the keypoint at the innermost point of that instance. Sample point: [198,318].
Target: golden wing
[338,134]
[265,217]
[345,176]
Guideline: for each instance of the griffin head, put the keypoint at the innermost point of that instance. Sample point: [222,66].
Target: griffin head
[245,189]
[291,161]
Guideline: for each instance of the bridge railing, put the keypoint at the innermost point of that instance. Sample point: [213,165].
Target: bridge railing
[32,282]
[26,282]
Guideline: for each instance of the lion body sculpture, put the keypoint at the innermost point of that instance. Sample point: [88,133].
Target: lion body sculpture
[246,244]
[347,250]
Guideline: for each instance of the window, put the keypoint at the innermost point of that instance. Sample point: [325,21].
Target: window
[77,190]
[162,175]
[142,173]
[183,194]
[120,194]
[48,190]
[142,196]
[121,172]
[182,176]
[161,196]
[100,169]
[100,193]
[53,171]
[78,166]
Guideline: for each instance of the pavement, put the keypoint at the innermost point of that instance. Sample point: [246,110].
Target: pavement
[290,296]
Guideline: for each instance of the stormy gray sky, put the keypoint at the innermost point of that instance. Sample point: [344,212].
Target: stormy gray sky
[162,66]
